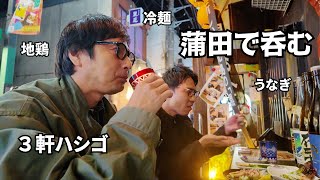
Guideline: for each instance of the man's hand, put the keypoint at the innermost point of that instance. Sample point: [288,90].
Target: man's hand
[211,140]
[234,123]
[150,94]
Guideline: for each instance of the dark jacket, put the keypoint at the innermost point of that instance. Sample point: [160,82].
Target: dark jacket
[179,154]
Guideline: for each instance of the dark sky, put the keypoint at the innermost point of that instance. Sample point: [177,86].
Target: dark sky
[3,7]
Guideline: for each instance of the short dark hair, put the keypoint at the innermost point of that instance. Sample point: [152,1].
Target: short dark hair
[82,34]
[177,75]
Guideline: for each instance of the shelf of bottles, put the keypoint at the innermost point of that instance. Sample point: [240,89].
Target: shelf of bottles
[304,121]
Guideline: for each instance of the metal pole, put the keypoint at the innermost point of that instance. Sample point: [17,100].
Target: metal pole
[8,56]
[280,97]
[200,123]
[162,5]
[169,62]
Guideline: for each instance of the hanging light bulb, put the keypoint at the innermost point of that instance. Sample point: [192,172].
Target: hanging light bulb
[212,173]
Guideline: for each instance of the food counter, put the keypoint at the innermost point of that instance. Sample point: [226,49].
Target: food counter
[253,167]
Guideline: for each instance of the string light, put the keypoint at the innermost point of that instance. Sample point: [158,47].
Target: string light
[212,174]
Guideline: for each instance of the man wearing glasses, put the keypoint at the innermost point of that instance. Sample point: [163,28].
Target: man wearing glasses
[92,60]
[183,150]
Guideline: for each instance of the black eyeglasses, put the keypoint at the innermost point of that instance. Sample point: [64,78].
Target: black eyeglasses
[121,51]
[192,92]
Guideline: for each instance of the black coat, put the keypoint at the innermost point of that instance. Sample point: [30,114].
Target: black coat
[179,154]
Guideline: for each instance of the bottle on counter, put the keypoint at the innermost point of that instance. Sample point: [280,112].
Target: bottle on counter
[314,123]
[297,109]
[304,153]
[308,90]
[295,120]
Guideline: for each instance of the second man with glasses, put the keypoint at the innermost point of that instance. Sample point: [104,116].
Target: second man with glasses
[182,150]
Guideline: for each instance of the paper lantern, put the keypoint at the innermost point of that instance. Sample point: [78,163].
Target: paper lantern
[203,18]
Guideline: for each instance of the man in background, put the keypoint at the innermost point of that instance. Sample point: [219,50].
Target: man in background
[183,150]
